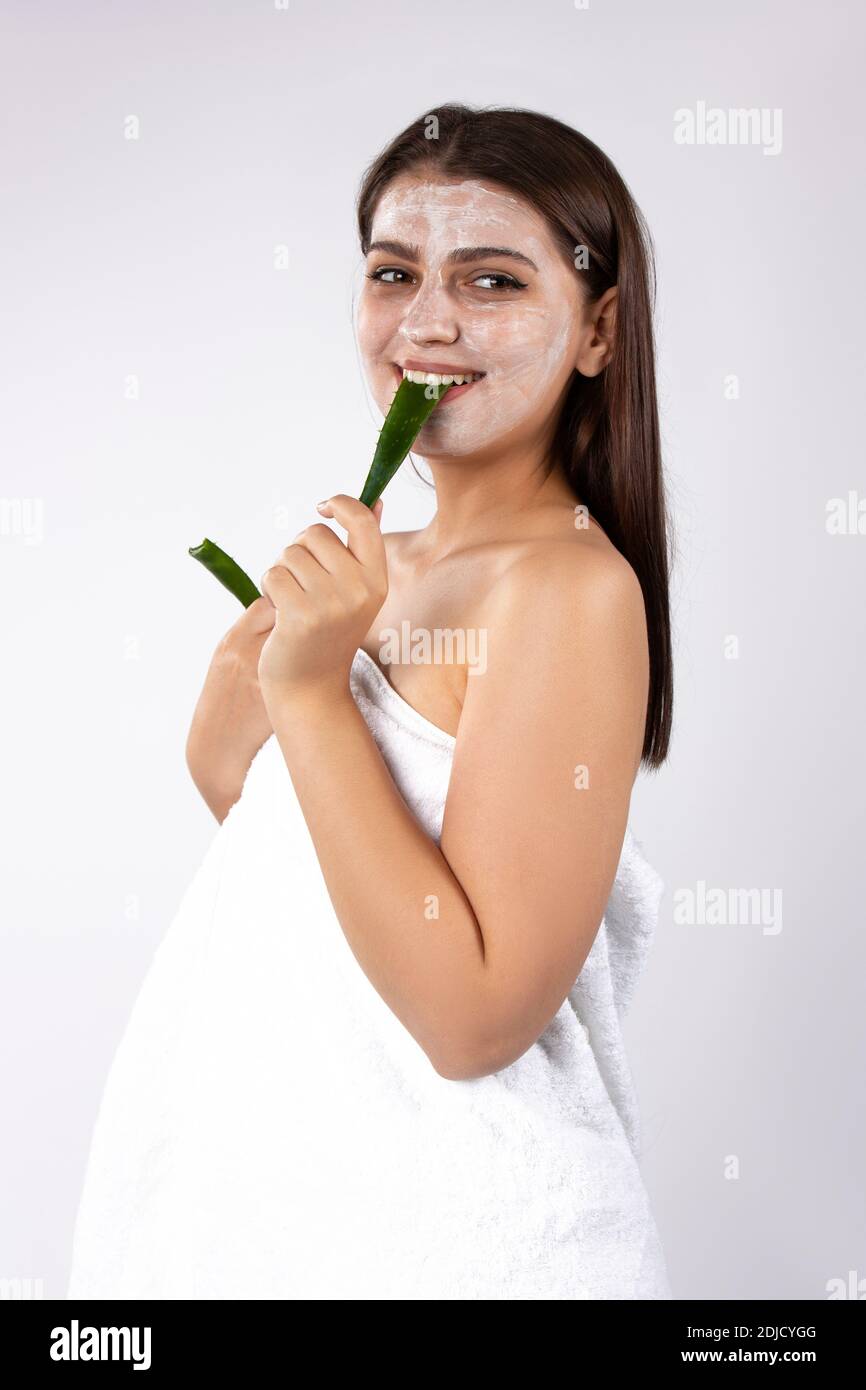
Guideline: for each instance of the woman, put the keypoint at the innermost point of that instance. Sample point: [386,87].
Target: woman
[378,1053]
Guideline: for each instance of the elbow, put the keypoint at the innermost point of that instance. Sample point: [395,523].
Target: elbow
[493,1040]
[474,1062]
[458,1071]
[465,1073]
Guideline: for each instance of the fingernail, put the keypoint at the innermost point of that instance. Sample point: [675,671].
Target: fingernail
[320,505]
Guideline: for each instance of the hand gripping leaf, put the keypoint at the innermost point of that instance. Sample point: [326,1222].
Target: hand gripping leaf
[413,402]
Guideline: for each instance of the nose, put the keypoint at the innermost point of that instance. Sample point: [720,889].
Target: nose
[430,317]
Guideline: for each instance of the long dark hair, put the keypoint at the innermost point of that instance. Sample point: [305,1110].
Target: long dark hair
[607,440]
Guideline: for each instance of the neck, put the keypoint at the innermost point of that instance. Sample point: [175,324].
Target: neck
[476,497]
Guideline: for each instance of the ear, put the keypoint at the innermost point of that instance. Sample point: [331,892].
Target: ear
[596,346]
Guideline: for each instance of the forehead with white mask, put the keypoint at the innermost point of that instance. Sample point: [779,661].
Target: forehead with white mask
[464,276]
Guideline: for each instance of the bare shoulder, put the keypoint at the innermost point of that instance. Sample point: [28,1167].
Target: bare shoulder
[567,634]
[566,655]
[557,580]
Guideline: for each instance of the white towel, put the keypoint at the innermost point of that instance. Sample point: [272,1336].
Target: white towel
[269,1129]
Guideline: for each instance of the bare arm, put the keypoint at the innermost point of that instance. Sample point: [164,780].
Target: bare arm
[230,722]
[474,944]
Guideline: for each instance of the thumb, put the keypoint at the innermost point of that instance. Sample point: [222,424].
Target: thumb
[378,507]
[260,615]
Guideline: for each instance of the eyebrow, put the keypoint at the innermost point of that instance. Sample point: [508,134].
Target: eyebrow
[458,257]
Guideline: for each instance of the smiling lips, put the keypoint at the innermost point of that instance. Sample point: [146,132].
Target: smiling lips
[460,380]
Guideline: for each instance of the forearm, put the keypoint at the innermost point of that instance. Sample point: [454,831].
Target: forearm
[228,728]
[218,797]
[403,912]
[218,776]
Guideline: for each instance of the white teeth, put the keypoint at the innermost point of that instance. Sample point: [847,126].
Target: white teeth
[435,379]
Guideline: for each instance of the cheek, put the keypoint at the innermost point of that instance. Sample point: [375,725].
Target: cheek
[527,358]
[521,345]
[368,328]
[373,332]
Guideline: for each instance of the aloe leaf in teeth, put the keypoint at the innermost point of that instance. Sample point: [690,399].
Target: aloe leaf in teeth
[413,402]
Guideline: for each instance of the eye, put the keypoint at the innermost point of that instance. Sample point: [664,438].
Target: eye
[385,274]
[386,270]
[508,282]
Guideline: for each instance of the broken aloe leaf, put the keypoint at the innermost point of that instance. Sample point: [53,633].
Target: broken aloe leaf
[412,403]
[224,568]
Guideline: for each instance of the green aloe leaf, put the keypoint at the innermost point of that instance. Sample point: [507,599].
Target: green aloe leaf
[412,404]
[224,568]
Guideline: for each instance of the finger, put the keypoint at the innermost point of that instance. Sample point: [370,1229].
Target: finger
[305,567]
[259,617]
[327,548]
[282,588]
[364,537]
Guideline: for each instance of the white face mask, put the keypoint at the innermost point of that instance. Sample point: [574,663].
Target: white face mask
[428,310]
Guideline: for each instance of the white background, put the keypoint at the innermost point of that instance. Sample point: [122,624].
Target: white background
[154,258]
